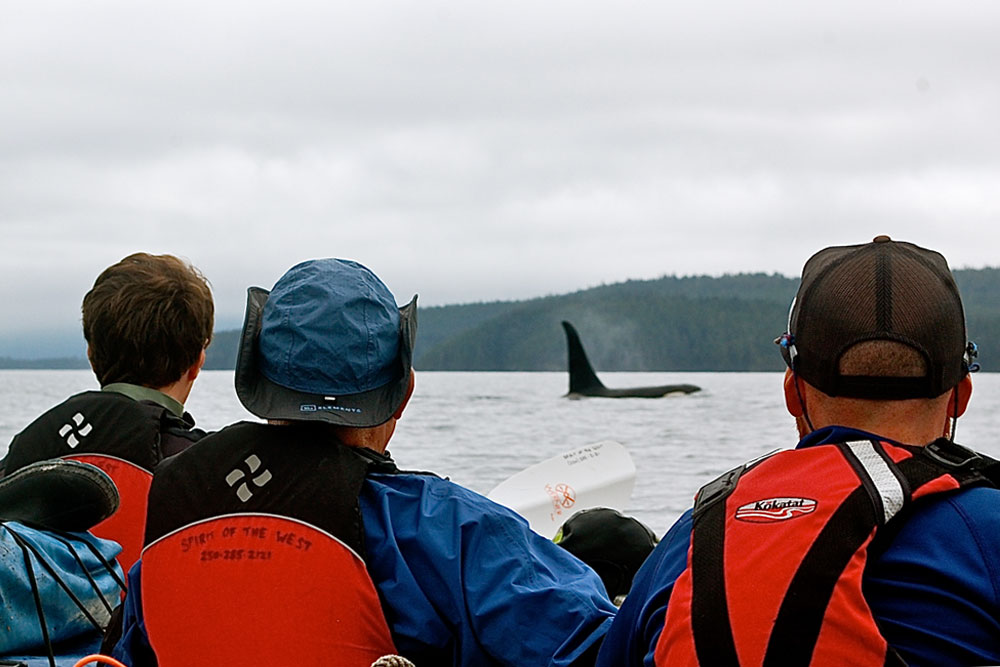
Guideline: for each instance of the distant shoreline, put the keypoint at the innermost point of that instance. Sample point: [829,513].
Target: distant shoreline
[48,364]
[668,324]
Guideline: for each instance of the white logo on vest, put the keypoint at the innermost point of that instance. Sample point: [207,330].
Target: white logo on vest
[243,492]
[76,427]
[771,510]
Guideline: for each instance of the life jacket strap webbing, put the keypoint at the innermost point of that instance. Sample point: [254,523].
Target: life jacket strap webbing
[803,609]
[713,633]
[941,458]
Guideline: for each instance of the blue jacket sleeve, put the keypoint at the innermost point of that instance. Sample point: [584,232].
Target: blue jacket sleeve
[133,648]
[936,588]
[631,641]
[466,582]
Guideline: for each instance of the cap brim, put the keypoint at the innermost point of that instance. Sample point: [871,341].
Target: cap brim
[269,400]
[58,494]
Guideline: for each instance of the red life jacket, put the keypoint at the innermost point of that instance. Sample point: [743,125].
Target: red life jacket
[779,547]
[123,437]
[255,552]
[257,589]
[126,525]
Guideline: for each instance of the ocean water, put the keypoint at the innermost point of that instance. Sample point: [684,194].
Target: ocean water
[480,428]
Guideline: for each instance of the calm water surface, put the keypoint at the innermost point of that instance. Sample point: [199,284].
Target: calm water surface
[480,428]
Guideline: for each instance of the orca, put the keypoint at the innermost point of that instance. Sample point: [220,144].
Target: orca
[583,381]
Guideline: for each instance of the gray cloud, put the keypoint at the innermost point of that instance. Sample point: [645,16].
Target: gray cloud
[472,152]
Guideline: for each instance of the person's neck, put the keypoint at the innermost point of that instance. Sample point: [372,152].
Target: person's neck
[912,432]
[375,438]
[910,421]
[179,391]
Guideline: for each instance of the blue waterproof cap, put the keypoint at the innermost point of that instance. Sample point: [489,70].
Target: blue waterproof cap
[329,326]
[327,343]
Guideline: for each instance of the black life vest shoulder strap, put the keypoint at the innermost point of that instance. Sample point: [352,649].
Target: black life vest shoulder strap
[796,527]
[101,422]
[176,433]
[297,470]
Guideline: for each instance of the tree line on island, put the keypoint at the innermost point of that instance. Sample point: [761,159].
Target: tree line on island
[698,323]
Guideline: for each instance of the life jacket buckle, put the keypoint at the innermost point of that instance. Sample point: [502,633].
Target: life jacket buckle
[717,490]
[951,454]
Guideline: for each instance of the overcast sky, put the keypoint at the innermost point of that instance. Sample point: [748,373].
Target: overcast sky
[473,151]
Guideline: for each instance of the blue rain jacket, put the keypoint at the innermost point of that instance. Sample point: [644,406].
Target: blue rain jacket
[935,589]
[71,633]
[464,581]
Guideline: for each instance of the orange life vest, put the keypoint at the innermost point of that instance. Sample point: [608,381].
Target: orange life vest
[779,547]
[123,437]
[255,552]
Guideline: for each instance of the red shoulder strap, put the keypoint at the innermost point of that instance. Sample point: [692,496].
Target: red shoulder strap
[127,525]
[259,589]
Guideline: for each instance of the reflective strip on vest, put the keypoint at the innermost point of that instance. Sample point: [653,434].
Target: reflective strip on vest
[886,483]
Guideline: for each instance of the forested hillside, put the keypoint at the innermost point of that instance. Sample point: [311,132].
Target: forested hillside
[668,324]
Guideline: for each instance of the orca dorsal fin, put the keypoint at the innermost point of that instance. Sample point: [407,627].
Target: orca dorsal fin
[582,378]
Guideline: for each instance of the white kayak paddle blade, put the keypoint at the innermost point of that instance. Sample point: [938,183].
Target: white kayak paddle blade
[549,492]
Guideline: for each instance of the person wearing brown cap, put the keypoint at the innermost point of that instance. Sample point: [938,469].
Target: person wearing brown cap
[876,541]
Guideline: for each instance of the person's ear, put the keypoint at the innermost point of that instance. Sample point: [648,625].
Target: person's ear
[794,401]
[406,399]
[958,404]
[192,372]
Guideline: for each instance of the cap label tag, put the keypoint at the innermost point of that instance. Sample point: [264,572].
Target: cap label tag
[312,407]
[771,510]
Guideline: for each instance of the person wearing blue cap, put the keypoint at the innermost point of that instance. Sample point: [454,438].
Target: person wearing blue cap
[440,575]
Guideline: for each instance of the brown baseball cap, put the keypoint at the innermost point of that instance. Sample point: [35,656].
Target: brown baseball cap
[883,290]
